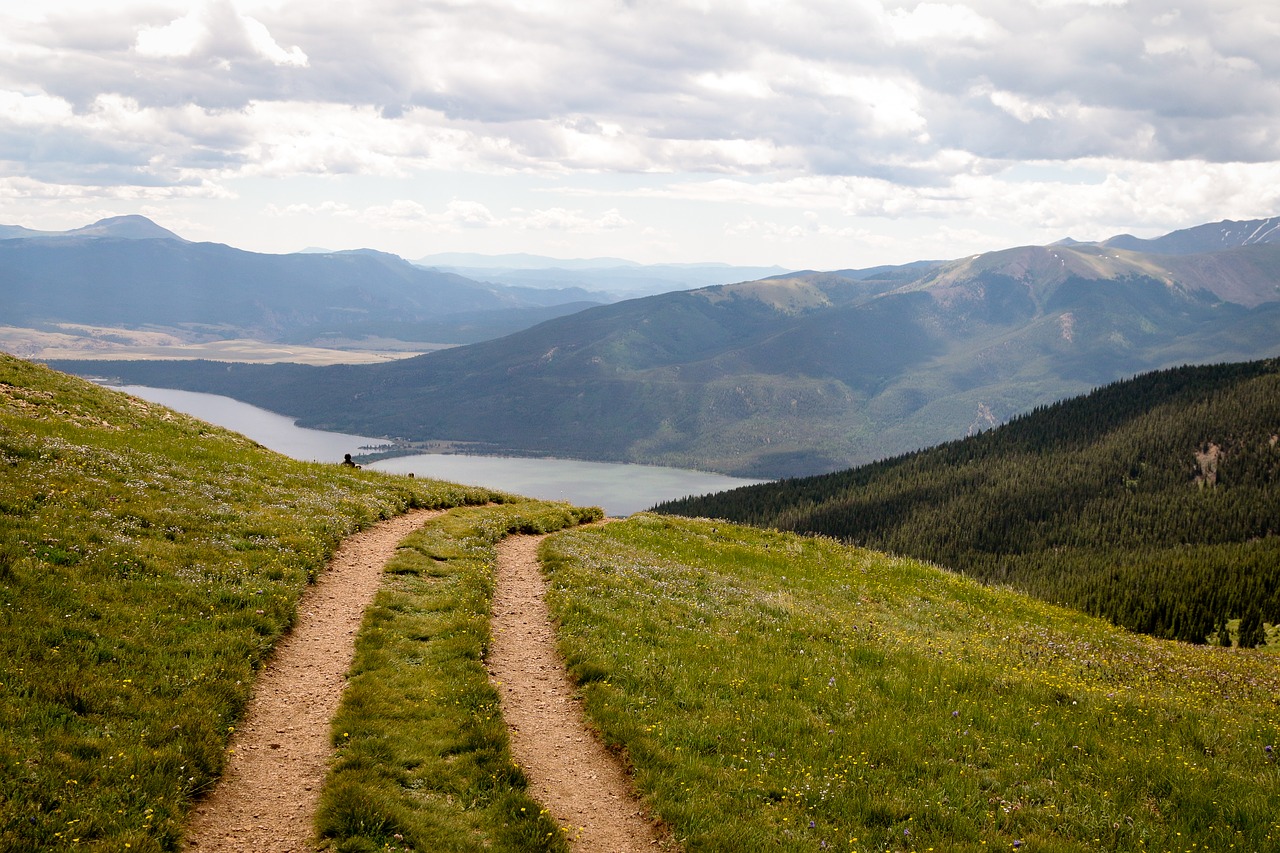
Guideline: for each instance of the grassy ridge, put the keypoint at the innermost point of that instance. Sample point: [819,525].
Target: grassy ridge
[148,562]
[422,753]
[776,692]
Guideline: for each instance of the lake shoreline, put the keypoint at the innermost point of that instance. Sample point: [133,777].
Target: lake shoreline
[620,488]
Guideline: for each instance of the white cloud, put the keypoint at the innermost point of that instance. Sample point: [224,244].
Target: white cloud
[38,109]
[1023,109]
[744,83]
[576,221]
[871,110]
[940,22]
[215,29]
[179,38]
[468,214]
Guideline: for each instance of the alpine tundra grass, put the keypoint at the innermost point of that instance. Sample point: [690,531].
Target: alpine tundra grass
[148,564]
[771,692]
[423,761]
[775,692]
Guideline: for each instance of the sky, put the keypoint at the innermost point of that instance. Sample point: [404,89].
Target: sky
[822,134]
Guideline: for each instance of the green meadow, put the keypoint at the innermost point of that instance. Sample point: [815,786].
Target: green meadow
[775,692]
[148,563]
[769,691]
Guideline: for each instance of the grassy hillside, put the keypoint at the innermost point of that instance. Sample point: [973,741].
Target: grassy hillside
[771,691]
[777,692]
[148,563]
[1154,502]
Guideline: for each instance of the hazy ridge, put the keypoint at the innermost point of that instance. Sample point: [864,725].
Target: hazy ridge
[805,372]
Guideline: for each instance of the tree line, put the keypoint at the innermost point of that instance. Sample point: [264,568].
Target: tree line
[1153,502]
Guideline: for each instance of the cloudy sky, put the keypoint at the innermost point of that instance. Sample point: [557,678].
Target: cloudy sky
[810,133]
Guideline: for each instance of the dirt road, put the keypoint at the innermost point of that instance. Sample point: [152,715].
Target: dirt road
[267,798]
[569,770]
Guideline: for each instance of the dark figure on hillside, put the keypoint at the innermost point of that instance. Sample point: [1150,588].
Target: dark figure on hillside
[346,460]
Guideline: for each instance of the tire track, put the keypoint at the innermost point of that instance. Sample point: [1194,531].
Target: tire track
[569,770]
[266,800]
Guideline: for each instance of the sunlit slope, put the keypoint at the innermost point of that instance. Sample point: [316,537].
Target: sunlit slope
[776,692]
[148,563]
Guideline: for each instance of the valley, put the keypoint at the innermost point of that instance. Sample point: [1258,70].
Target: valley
[766,684]
[769,689]
[802,373]
[685,427]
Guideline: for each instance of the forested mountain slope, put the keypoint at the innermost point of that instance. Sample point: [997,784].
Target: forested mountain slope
[1154,502]
[798,374]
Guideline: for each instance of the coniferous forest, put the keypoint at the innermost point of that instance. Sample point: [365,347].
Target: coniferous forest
[1153,502]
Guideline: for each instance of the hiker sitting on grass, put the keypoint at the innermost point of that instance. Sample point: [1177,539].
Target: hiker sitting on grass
[346,460]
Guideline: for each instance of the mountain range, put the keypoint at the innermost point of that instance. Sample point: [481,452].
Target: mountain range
[620,278]
[127,281]
[805,372]
[129,273]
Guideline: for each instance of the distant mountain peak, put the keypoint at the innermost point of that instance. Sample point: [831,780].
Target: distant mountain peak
[1211,237]
[128,227]
[131,227]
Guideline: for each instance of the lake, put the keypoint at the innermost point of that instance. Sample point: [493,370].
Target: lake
[619,489]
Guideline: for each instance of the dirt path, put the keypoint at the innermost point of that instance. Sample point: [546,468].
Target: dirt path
[266,800]
[570,772]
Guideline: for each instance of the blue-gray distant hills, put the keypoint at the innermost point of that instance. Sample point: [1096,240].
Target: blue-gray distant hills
[621,278]
[130,273]
[805,372]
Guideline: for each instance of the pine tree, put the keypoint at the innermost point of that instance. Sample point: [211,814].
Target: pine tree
[1250,634]
[1224,634]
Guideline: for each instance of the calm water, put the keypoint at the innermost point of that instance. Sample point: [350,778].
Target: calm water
[619,489]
